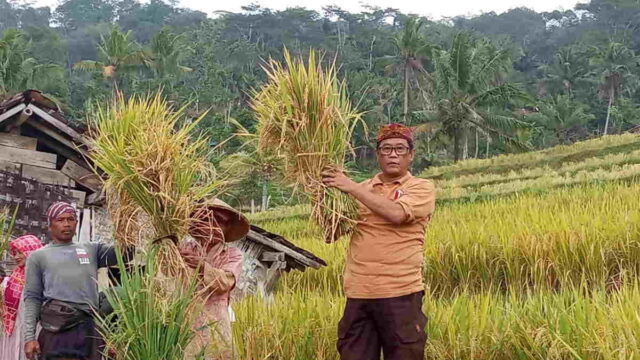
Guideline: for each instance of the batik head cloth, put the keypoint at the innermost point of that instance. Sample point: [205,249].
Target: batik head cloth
[58,208]
[395,130]
[13,292]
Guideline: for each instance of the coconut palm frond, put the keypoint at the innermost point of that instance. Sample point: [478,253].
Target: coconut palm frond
[460,58]
[498,126]
[88,65]
[504,123]
[501,94]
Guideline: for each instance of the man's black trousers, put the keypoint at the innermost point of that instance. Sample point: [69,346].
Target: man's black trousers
[393,326]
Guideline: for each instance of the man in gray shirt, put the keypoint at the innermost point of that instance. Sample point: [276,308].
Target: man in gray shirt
[61,291]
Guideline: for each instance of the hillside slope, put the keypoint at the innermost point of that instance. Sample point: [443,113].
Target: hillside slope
[599,160]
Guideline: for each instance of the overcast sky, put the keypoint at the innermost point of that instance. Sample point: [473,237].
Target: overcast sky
[434,9]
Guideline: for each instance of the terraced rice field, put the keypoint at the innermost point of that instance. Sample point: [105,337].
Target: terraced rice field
[529,256]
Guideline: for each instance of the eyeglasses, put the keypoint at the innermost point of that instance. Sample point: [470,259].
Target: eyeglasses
[400,150]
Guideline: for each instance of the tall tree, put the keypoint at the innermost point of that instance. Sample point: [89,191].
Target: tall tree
[119,55]
[13,60]
[75,14]
[19,71]
[411,47]
[570,67]
[469,93]
[564,117]
[615,66]
[616,18]
[9,15]
[168,50]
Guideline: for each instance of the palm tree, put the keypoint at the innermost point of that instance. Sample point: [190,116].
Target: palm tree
[18,71]
[411,48]
[570,66]
[564,117]
[615,65]
[167,52]
[118,55]
[468,93]
[13,56]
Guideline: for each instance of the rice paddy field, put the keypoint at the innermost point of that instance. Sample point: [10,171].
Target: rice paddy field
[529,256]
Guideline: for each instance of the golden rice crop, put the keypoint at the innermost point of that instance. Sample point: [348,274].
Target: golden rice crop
[281,212]
[157,171]
[530,274]
[527,276]
[305,117]
[521,242]
[552,157]
[569,168]
[569,324]
[549,180]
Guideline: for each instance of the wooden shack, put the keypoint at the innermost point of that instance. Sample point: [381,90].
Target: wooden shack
[266,257]
[39,144]
[49,156]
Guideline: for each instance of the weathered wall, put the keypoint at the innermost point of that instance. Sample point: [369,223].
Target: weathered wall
[101,225]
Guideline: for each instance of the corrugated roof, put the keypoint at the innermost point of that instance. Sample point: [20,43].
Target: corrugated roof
[279,243]
[37,98]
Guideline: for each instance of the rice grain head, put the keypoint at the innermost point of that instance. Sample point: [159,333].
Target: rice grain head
[305,117]
[157,170]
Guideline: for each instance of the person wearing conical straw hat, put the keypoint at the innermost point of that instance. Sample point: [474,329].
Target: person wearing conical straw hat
[218,268]
[383,273]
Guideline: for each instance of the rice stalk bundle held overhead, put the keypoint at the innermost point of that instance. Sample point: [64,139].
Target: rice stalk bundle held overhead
[156,173]
[305,117]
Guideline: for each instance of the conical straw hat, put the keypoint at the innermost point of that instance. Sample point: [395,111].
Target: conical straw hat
[237,225]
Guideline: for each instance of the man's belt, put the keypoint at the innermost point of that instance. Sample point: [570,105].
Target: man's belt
[57,316]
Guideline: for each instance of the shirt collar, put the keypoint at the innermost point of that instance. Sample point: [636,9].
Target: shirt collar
[377,180]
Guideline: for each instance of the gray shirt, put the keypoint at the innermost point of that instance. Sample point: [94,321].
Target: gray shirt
[65,272]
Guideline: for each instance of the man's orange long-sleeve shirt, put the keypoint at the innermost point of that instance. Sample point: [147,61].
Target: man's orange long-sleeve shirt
[384,259]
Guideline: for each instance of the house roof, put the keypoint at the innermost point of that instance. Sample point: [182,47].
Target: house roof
[43,116]
[295,257]
[32,114]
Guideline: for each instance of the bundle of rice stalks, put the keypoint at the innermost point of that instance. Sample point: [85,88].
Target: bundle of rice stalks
[142,324]
[156,172]
[305,116]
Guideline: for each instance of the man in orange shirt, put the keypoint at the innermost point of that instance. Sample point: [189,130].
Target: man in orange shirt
[383,273]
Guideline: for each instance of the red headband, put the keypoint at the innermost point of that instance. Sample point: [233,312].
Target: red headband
[58,208]
[395,131]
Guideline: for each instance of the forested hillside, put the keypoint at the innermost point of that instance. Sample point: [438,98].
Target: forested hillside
[472,87]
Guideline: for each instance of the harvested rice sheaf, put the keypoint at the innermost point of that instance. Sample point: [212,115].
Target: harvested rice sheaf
[157,170]
[305,117]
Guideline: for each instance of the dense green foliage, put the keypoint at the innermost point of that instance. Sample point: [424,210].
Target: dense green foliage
[474,87]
